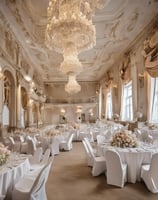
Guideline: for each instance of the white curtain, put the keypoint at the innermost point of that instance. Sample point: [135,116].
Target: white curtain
[134,89]
[126,103]
[122,101]
[109,104]
[22,118]
[151,92]
[5,115]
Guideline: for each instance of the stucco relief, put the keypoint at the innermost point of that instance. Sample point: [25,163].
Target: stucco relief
[18,18]
[9,43]
[150,53]
[24,64]
[7,90]
[117,25]
[120,27]
[125,69]
[11,46]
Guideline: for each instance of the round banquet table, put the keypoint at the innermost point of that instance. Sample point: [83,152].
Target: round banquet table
[133,157]
[11,172]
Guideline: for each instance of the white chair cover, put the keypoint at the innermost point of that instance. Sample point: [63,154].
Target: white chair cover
[99,163]
[54,146]
[149,174]
[89,158]
[138,134]
[67,144]
[88,143]
[32,186]
[14,146]
[45,157]
[37,156]
[31,146]
[43,161]
[23,144]
[116,170]
[101,139]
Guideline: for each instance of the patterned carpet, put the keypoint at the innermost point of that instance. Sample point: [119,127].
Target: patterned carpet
[70,179]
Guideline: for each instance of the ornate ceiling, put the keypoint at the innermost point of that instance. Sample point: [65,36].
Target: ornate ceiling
[117,26]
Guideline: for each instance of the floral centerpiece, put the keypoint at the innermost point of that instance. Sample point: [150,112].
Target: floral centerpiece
[4,154]
[124,138]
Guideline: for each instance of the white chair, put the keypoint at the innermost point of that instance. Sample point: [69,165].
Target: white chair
[149,174]
[54,146]
[37,156]
[89,158]
[23,144]
[116,170]
[99,163]
[14,146]
[138,134]
[32,186]
[66,144]
[44,159]
[37,141]
[149,139]
[31,146]
[88,143]
[101,139]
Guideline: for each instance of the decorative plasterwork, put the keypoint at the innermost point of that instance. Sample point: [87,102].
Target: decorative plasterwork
[117,25]
[125,69]
[150,53]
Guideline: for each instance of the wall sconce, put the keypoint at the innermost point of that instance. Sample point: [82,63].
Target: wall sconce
[97,89]
[91,112]
[141,80]
[28,76]
[62,111]
[79,109]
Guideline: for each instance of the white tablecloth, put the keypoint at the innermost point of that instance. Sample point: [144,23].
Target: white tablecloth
[11,172]
[134,157]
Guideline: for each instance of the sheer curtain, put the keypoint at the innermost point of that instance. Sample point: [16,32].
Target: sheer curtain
[127,105]
[122,97]
[153,100]
[109,104]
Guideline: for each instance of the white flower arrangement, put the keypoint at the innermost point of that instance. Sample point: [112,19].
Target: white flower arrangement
[124,139]
[4,154]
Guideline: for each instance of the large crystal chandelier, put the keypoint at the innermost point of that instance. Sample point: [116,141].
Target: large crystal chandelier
[70,31]
[72,87]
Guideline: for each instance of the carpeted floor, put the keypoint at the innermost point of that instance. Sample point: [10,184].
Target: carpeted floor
[70,179]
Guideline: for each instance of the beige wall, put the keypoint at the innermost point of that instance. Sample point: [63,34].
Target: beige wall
[58,99]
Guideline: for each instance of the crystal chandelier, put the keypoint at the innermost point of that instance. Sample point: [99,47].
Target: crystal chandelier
[70,31]
[72,87]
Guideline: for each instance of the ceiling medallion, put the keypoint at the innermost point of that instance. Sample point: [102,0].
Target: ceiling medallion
[70,31]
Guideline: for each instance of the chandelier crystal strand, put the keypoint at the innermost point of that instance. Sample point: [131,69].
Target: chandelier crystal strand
[70,30]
